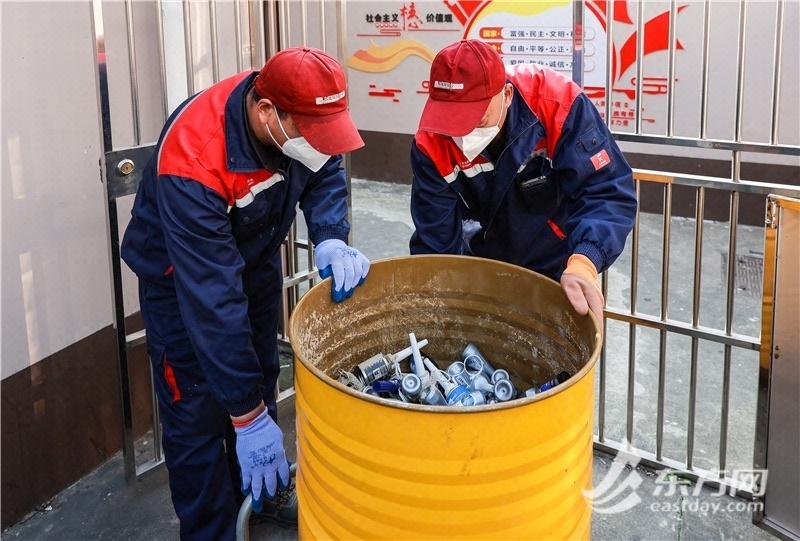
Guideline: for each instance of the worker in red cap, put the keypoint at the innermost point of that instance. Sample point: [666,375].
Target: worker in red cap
[515,164]
[214,204]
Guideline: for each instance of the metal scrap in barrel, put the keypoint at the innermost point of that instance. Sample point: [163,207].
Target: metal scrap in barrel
[388,469]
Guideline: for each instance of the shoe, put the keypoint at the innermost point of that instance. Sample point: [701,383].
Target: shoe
[281,510]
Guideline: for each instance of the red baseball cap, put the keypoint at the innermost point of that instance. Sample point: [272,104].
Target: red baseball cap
[465,76]
[311,86]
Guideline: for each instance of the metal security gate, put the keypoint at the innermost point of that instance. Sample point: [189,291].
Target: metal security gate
[149,57]
[679,374]
[652,361]
[777,437]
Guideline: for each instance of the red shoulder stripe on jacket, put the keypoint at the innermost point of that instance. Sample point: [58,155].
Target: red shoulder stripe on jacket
[548,93]
[192,151]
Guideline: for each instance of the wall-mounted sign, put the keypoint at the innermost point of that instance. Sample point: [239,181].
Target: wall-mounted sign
[392,43]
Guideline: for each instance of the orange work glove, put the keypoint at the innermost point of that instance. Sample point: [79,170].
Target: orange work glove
[579,283]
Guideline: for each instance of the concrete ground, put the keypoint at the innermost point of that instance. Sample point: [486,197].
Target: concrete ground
[649,505]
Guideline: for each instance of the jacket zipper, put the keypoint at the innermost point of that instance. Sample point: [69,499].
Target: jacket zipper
[514,140]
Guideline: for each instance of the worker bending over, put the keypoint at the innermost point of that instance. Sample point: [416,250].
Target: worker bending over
[214,205]
[515,164]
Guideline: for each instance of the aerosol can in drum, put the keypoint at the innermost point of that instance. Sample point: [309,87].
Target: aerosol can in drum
[411,387]
[454,392]
[481,383]
[375,368]
[380,366]
[388,388]
[561,377]
[501,391]
[458,371]
[533,391]
[503,388]
[432,396]
[473,398]
[473,359]
[499,374]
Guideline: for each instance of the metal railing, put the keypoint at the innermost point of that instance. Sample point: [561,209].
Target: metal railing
[667,327]
[651,447]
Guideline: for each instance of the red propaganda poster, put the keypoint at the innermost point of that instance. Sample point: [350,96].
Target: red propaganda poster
[631,51]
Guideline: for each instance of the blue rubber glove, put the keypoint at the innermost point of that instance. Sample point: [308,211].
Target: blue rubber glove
[259,448]
[348,266]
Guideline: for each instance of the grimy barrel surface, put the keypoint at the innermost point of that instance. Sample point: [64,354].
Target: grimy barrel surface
[370,468]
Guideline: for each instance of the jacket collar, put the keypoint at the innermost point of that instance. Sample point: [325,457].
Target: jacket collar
[241,155]
[519,118]
[523,133]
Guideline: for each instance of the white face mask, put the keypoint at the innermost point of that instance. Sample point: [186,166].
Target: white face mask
[475,141]
[299,149]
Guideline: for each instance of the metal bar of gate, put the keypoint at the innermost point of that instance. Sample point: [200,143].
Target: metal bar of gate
[632,332]
[704,69]
[662,350]
[639,65]
[188,48]
[610,54]
[237,33]
[726,370]
[670,112]
[162,63]
[577,43]
[113,238]
[776,73]
[117,182]
[212,27]
[696,283]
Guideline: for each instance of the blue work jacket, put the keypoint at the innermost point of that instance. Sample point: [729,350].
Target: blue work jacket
[559,185]
[206,228]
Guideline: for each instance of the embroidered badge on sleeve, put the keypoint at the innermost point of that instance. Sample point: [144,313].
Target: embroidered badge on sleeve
[600,160]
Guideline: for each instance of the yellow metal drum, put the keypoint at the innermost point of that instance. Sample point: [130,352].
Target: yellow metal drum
[370,468]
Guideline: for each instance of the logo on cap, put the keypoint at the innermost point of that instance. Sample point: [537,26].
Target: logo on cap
[448,86]
[330,99]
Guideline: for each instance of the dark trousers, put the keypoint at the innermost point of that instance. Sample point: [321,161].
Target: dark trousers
[198,438]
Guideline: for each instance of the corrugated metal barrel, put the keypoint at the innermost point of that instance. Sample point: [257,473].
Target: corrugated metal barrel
[371,468]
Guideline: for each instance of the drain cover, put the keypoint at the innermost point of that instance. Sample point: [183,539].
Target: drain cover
[749,273]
